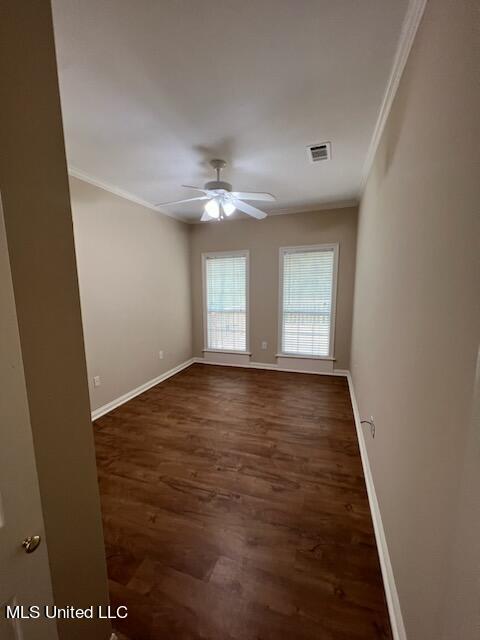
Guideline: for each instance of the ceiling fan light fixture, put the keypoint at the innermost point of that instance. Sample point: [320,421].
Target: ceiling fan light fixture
[213,208]
[228,207]
[222,202]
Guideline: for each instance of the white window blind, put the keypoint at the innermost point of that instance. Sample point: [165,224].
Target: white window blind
[226,302]
[307,300]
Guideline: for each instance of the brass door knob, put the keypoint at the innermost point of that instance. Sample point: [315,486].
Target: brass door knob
[31,543]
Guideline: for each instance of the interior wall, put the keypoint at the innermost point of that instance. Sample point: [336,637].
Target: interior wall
[263,238]
[416,325]
[134,274]
[36,203]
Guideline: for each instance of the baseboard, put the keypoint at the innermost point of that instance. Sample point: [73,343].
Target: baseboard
[101,411]
[271,367]
[391,594]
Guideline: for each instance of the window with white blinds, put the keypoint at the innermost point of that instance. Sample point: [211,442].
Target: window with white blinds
[307,300]
[225,300]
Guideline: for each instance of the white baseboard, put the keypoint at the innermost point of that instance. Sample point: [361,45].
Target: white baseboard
[271,367]
[101,411]
[391,594]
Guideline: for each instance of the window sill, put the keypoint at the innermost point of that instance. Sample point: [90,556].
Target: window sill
[304,357]
[235,353]
[312,364]
[232,358]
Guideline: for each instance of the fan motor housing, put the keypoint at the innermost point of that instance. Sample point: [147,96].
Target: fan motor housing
[215,185]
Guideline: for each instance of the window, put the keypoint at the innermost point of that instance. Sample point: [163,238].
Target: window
[225,277]
[307,300]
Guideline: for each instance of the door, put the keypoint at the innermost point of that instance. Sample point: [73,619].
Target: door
[24,577]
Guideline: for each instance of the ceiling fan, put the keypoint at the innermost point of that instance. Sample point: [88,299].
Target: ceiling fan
[221,200]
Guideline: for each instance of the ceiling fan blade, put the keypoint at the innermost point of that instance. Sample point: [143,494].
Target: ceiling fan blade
[247,208]
[205,217]
[166,204]
[253,195]
[189,186]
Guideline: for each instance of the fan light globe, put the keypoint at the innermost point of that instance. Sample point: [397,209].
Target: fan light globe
[213,208]
[228,208]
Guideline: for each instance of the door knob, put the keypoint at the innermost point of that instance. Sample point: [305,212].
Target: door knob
[31,543]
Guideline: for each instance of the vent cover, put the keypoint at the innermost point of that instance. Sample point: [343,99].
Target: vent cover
[319,152]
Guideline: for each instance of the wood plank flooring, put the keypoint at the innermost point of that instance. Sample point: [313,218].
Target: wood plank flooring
[234,508]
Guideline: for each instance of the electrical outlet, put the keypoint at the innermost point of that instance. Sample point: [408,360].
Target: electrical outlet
[264,345]
[160,355]
[96,381]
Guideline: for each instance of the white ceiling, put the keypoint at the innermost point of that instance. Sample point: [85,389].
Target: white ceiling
[153,90]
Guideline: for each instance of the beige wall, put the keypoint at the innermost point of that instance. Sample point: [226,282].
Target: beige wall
[263,239]
[36,202]
[416,325]
[133,266]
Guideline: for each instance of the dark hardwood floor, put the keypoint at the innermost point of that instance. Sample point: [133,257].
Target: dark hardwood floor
[235,508]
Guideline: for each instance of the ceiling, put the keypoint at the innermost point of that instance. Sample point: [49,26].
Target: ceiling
[151,91]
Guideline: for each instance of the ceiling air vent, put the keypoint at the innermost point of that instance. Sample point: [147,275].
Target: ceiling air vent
[319,152]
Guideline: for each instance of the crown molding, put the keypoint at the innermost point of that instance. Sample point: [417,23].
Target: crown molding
[111,188]
[85,177]
[410,25]
[324,206]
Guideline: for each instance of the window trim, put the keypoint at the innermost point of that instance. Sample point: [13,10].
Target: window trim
[333,314]
[219,254]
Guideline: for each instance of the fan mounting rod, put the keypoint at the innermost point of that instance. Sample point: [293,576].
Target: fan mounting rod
[218,165]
